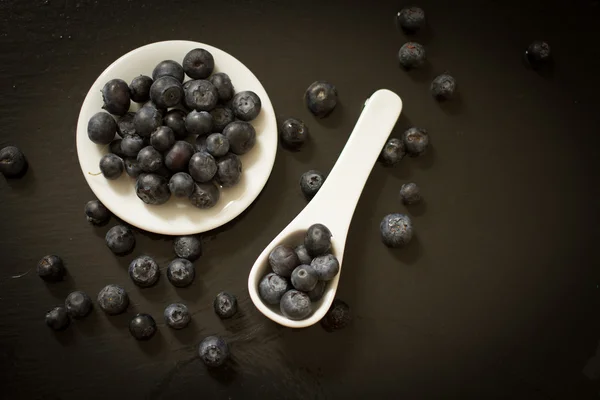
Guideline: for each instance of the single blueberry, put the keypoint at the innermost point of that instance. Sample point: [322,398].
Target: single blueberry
[199,123]
[303,255]
[132,168]
[310,183]
[283,259]
[51,268]
[198,64]
[338,316]
[246,105]
[181,272]
[131,145]
[241,136]
[443,87]
[57,318]
[166,92]
[115,148]
[202,167]
[393,152]
[152,188]
[116,97]
[175,119]
[293,133]
[188,247]
[224,86]
[146,120]
[295,305]
[142,326]
[177,315]
[168,68]
[113,299]
[205,195]
[225,305]
[139,88]
[178,157]
[101,128]
[111,166]
[213,351]
[217,144]
[200,95]
[412,55]
[181,185]
[410,193]
[538,53]
[415,141]
[125,125]
[149,159]
[272,287]
[12,162]
[78,304]
[317,240]
[96,212]
[396,230]
[326,267]
[200,144]
[120,239]
[411,19]
[317,293]
[144,271]
[321,98]
[162,139]
[229,170]
[222,116]
[304,277]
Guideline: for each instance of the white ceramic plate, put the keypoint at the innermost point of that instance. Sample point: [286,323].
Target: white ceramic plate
[177,216]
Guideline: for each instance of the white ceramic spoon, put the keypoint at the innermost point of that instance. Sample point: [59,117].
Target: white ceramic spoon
[334,204]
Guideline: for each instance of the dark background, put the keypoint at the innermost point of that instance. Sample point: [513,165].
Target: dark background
[496,297]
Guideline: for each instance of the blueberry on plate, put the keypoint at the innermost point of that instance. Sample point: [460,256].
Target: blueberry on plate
[162,139]
[321,98]
[12,162]
[393,152]
[295,305]
[111,166]
[198,64]
[166,92]
[188,247]
[139,88]
[149,159]
[246,105]
[317,293]
[125,125]
[202,167]
[181,185]
[131,145]
[317,240]
[224,86]
[96,212]
[411,19]
[51,268]
[303,255]
[177,315]
[410,193]
[178,157]
[222,116]
[443,87]
[168,68]
[199,123]
[304,277]
[272,287]
[152,189]
[142,326]
[57,318]
[132,168]
[538,53]
[283,260]
[101,128]
[213,351]
[146,120]
[338,316]
[415,141]
[229,170]
[310,183]
[181,272]
[205,195]
[175,119]
[412,55]
[113,299]
[120,239]
[293,133]
[115,94]
[200,95]
[144,271]
[241,136]
[217,145]
[225,305]
[78,304]
[326,267]
[396,230]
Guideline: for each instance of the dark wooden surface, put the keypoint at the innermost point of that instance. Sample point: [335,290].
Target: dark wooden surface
[496,297]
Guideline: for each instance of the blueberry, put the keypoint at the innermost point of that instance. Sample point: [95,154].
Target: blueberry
[217,144]
[142,326]
[139,88]
[538,53]
[149,159]
[131,145]
[293,133]
[396,230]
[177,315]
[310,183]
[326,267]
[304,278]
[205,195]
[152,189]
[283,259]
[111,166]
[101,128]
[198,64]
[125,125]
[411,19]
[78,304]
[338,316]
[303,255]
[166,92]
[58,319]
[115,148]
[222,116]
[410,193]
[202,167]
[225,305]
[51,268]
[393,152]
[120,239]
[317,293]
[146,120]
[144,271]
[168,68]
[162,139]
[412,55]
[12,162]
[246,105]
[415,141]
[272,287]
[113,299]
[199,123]
[443,87]
[181,185]
[96,212]
[188,247]
[175,119]
[132,168]
[201,144]
[116,97]
[178,157]
[317,240]
[181,272]
[295,305]
[224,86]
[200,95]
[241,136]
[321,98]
[229,170]
[213,351]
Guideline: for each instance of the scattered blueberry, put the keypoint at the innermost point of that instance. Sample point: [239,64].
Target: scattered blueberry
[338,316]
[321,98]
[246,105]
[272,287]
[224,86]
[51,268]
[304,277]
[393,152]
[149,159]
[132,168]
[178,157]
[152,188]
[116,97]
[78,304]
[229,170]
[96,212]
[293,133]
[181,185]
[200,95]
[326,267]
[443,87]
[125,125]
[144,271]
[199,123]
[139,88]
[181,272]
[202,167]
[111,166]
[410,193]
[168,68]
[396,230]
[317,293]
[146,120]
[12,162]
[241,136]
[115,148]
[142,326]
[411,19]
[213,351]
[58,319]
[225,305]
[188,247]
[177,316]
[120,239]
[166,92]
[205,195]
[310,183]
[295,305]
[198,64]
[131,145]
[217,144]
[283,259]
[415,141]
[222,116]
[303,255]
[101,128]
[317,240]
[113,299]
[175,119]
[538,53]
[162,139]
[412,55]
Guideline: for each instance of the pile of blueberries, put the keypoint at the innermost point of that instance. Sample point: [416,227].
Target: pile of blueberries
[151,144]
